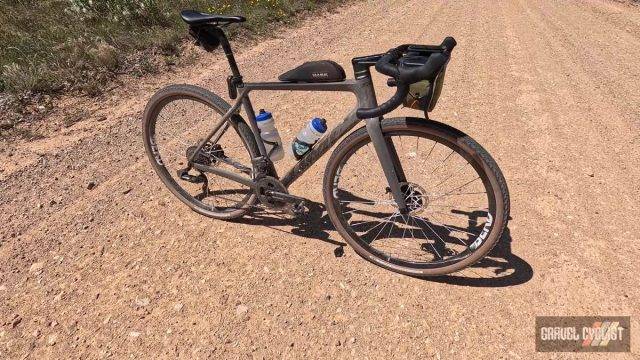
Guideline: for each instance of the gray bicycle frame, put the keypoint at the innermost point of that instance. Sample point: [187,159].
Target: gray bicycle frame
[364,91]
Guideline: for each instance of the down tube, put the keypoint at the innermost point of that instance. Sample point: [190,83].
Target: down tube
[320,148]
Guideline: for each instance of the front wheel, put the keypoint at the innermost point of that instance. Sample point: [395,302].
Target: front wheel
[457,198]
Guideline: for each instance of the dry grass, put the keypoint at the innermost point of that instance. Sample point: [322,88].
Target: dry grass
[51,47]
[56,45]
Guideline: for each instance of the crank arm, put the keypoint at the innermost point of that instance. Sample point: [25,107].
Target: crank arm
[288,198]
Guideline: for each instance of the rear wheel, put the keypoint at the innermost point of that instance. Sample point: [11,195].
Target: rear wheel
[175,120]
[457,197]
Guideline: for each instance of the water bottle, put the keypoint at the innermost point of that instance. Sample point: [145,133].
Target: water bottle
[307,137]
[270,135]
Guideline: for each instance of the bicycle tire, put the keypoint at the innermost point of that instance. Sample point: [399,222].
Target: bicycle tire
[482,162]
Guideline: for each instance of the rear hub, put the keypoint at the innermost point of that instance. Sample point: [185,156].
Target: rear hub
[208,155]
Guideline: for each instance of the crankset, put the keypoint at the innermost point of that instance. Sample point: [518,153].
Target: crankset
[273,194]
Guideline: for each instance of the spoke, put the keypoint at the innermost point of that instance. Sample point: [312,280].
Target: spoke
[457,206]
[452,175]
[430,228]
[442,163]
[452,229]
[438,196]
[373,202]
[175,134]
[430,151]
[385,225]
[404,230]
[383,222]
[426,237]
[456,189]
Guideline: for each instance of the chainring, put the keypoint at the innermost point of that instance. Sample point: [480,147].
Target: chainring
[269,184]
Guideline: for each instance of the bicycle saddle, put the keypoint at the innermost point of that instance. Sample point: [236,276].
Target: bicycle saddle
[193,17]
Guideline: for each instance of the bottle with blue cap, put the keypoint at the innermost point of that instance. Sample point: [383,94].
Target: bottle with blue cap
[307,137]
[270,135]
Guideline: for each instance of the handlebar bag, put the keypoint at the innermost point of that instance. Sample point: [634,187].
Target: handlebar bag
[314,72]
[424,95]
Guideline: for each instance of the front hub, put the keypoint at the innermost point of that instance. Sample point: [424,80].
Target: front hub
[415,197]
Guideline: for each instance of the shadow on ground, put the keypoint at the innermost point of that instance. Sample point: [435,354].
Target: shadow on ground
[500,268]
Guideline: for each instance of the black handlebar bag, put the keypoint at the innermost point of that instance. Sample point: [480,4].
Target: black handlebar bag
[424,95]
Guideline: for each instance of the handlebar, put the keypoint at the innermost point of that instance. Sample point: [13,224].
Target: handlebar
[404,76]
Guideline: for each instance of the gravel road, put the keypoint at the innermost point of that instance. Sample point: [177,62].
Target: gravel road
[97,259]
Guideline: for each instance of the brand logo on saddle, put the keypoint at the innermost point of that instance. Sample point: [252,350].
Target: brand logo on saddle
[320,75]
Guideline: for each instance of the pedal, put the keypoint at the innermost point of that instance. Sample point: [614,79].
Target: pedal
[299,209]
[183,174]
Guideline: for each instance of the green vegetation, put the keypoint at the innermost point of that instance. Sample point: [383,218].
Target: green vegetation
[49,46]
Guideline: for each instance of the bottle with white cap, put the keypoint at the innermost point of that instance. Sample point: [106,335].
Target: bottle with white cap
[307,137]
[270,135]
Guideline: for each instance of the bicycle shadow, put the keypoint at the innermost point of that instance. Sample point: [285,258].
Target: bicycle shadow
[508,268]
[313,225]
[501,267]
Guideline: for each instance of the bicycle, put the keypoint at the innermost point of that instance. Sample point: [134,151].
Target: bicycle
[383,195]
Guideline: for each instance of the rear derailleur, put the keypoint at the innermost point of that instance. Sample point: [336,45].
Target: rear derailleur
[208,155]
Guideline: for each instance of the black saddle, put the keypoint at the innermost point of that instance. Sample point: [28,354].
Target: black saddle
[314,72]
[192,17]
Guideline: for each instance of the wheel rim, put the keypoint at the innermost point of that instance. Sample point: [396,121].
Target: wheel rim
[452,207]
[179,124]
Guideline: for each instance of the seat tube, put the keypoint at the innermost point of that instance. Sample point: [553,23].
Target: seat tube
[384,148]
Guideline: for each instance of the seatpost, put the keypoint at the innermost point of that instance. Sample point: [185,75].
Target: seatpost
[222,37]
[235,79]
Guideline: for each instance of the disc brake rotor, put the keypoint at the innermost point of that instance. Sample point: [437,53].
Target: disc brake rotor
[415,197]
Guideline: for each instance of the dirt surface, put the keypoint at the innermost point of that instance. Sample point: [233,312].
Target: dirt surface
[97,259]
